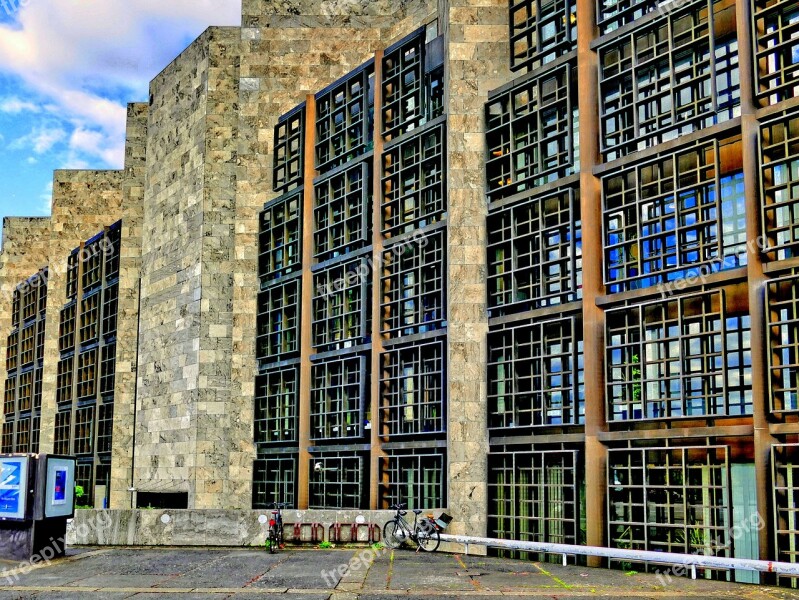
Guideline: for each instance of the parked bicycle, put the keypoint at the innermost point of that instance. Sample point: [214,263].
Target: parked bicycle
[276,527]
[424,531]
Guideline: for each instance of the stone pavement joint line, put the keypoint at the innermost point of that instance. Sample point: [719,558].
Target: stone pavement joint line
[560,582]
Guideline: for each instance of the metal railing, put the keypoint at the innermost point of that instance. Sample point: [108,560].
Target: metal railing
[692,561]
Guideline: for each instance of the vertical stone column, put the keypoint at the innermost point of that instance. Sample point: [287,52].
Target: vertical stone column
[217,448]
[477,62]
[122,441]
[184,441]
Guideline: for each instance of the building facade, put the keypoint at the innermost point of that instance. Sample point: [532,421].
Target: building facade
[532,262]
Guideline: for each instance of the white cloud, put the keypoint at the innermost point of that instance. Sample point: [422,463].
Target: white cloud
[41,140]
[83,61]
[31,160]
[14,105]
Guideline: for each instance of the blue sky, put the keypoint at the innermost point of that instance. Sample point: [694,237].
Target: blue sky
[67,70]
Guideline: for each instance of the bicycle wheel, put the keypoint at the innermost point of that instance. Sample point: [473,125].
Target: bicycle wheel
[427,536]
[273,539]
[393,534]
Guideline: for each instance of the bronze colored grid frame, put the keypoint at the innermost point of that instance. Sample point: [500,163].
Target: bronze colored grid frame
[684,357]
[615,14]
[73,264]
[62,432]
[16,308]
[66,329]
[531,131]
[289,161]
[339,398]
[90,318]
[342,211]
[24,365]
[782,302]
[414,285]
[674,499]
[105,428]
[108,356]
[22,435]
[535,252]
[87,374]
[779,184]
[414,192]
[341,315]
[110,312]
[338,480]
[275,481]
[27,344]
[535,374]
[12,350]
[666,216]
[279,321]
[541,31]
[92,266]
[412,85]
[669,78]
[403,87]
[414,389]
[280,237]
[785,497]
[414,477]
[25,390]
[10,396]
[30,302]
[87,366]
[345,119]
[83,440]
[776,26]
[534,496]
[8,437]
[277,406]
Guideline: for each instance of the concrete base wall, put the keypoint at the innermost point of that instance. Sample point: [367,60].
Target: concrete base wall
[212,527]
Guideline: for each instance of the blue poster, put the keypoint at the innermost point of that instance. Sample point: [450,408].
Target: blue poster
[13,481]
[9,501]
[60,487]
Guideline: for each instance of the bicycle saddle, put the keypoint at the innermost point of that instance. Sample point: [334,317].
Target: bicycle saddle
[417,511]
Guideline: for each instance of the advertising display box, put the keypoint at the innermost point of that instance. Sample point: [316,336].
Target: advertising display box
[37,496]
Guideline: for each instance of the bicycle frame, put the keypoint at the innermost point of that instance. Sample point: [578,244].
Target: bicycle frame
[276,526]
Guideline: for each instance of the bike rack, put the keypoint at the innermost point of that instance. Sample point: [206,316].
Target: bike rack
[307,532]
[354,533]
[371,536]
[315,531]
[334,533]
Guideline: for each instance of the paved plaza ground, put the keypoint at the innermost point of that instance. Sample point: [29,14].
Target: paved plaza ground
[239,574]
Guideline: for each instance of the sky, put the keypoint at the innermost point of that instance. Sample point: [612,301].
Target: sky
[68,68]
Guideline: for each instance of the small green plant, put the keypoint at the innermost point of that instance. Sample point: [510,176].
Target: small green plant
[325,546]
[636,374]
[631,573]
[80,493]
[377,546]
